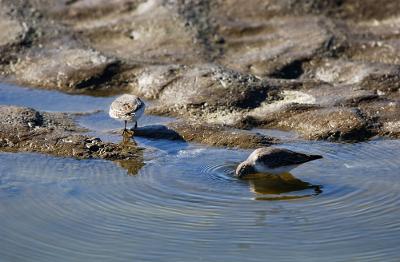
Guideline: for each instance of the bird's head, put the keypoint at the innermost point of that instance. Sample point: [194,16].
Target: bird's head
[244,169]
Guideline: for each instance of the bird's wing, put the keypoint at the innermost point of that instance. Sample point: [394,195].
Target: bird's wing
[284,157]
[127,107]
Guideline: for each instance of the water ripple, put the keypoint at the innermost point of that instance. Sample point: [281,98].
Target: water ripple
[185,204]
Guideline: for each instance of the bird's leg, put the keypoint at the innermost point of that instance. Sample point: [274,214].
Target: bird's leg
[135,124]
[123,132]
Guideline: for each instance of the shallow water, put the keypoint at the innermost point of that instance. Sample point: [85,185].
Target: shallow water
[185,205]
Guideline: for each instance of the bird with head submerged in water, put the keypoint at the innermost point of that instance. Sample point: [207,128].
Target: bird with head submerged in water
[127,108]
[273,161]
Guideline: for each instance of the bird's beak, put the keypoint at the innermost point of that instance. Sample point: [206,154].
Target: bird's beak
[239,173]
[242,170]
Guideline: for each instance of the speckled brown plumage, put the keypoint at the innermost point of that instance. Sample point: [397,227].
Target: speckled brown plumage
[128,108]
[277,157]
[271,160]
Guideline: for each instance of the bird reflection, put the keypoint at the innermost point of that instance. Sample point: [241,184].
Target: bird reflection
[274,187]
[132,166]
[127,139]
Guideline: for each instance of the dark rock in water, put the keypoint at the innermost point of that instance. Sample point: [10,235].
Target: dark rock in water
[216,135]
[25,129]
[213,135]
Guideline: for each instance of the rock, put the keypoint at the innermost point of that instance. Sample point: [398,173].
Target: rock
[207,88]
[260,9]
[368,76]
[374,41]
[21,120]
[290,102]
[148,32]
[386,114]
[153,80]
[83,9]
[326,95]
[391,129]
[27,130]
[12,33]
[336,71]
[367,9]
[306,114]
[335,124]
[213,135]
[271,46]
[321,112]
[269,116]
[64,69]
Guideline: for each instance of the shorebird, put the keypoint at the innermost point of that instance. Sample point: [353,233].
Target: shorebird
[127,108]
[273,161]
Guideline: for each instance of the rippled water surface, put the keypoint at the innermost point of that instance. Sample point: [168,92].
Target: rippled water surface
[185,205]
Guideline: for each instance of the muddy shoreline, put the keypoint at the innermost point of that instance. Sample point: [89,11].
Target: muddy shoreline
[325,71]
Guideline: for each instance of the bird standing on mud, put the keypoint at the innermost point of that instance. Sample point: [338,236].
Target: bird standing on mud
[127,108]
[271,160]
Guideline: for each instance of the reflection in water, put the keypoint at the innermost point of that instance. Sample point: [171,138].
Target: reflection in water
[128,139]
[280,184]
[132,166]
[61,209]
[272,186]
[128,143]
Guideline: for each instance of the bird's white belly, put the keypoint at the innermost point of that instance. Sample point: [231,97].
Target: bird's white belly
[260,168]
